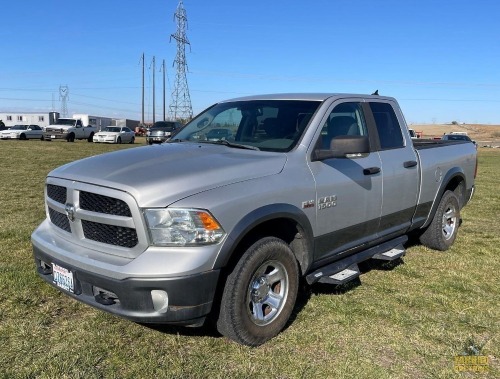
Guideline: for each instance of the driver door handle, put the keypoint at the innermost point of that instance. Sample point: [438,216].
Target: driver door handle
[409,164]
[371,170]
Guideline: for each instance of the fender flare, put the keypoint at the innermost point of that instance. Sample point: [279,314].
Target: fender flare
[259,216]
[453,173]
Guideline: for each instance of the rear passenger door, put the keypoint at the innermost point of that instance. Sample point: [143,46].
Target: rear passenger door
[401,179]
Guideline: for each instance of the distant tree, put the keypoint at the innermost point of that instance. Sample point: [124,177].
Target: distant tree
[454,122]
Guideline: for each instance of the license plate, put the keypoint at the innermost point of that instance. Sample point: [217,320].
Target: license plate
[52,137]
[63,278]
[157,139]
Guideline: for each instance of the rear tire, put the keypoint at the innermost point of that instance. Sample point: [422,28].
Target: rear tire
[260,293]
[91,137]
[132,140]
[442,231]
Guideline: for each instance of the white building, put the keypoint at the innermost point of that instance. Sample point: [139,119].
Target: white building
[41,119]
[44,119]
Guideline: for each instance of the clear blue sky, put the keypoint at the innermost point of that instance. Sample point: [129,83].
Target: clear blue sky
[439,58]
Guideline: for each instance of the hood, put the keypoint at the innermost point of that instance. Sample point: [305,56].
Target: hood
[64,122]
[159,175]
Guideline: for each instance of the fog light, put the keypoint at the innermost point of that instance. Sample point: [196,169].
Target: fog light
[160,300]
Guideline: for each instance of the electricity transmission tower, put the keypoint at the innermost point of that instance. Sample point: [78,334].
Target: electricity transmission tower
[180,108]
[64,97]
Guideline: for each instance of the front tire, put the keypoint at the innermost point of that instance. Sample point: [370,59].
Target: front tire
[260,293]
[118,140]
[442,231]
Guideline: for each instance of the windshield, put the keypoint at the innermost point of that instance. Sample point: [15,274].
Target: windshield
[270,125]
[65,121]
[163,128]
[457,137]
[19,127]
[113,129]
[164,124]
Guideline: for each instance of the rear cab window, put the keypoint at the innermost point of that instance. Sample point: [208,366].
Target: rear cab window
[387,124]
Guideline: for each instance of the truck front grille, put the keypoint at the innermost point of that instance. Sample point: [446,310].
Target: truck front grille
[95,214]
[103,204]
[110,234]
[57,193]
[60,220]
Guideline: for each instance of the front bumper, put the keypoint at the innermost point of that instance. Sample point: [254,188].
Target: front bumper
[189,297]
[10,136]
[104,139]
[48,136]
[158,138]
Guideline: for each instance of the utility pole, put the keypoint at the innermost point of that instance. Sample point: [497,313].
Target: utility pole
[142,119]
[154,91]
[181,108]
[164,69]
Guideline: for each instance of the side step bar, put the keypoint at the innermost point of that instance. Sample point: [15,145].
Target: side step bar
[342,277]
[392,254]
[347,269]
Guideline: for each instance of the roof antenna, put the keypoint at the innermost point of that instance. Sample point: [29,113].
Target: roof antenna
[375,93]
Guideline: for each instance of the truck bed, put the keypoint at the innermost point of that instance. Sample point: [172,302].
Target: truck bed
[428,143]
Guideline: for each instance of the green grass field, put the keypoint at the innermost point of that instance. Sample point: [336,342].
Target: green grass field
[408,321]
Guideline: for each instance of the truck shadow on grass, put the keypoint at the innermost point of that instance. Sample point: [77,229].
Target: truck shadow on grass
[306,291]
[206,330]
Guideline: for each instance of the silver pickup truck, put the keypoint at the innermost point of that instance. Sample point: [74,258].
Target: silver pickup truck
[300,186]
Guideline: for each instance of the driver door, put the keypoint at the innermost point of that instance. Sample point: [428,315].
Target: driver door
[348,190]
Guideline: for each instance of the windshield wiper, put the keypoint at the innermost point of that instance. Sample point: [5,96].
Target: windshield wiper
[230,144]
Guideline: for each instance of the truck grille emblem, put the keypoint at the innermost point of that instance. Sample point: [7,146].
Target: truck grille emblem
[70,211]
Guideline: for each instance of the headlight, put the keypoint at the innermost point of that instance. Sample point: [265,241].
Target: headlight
[182,227]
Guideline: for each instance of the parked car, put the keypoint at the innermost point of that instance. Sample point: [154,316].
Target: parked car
[161,131]
[115,134]
[457,137]
[218,134]
[22,132]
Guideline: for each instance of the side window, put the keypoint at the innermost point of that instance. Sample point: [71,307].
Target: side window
[346,119]
[389,130]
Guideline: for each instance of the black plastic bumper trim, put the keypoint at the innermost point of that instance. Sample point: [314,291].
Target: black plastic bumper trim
[189,298]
